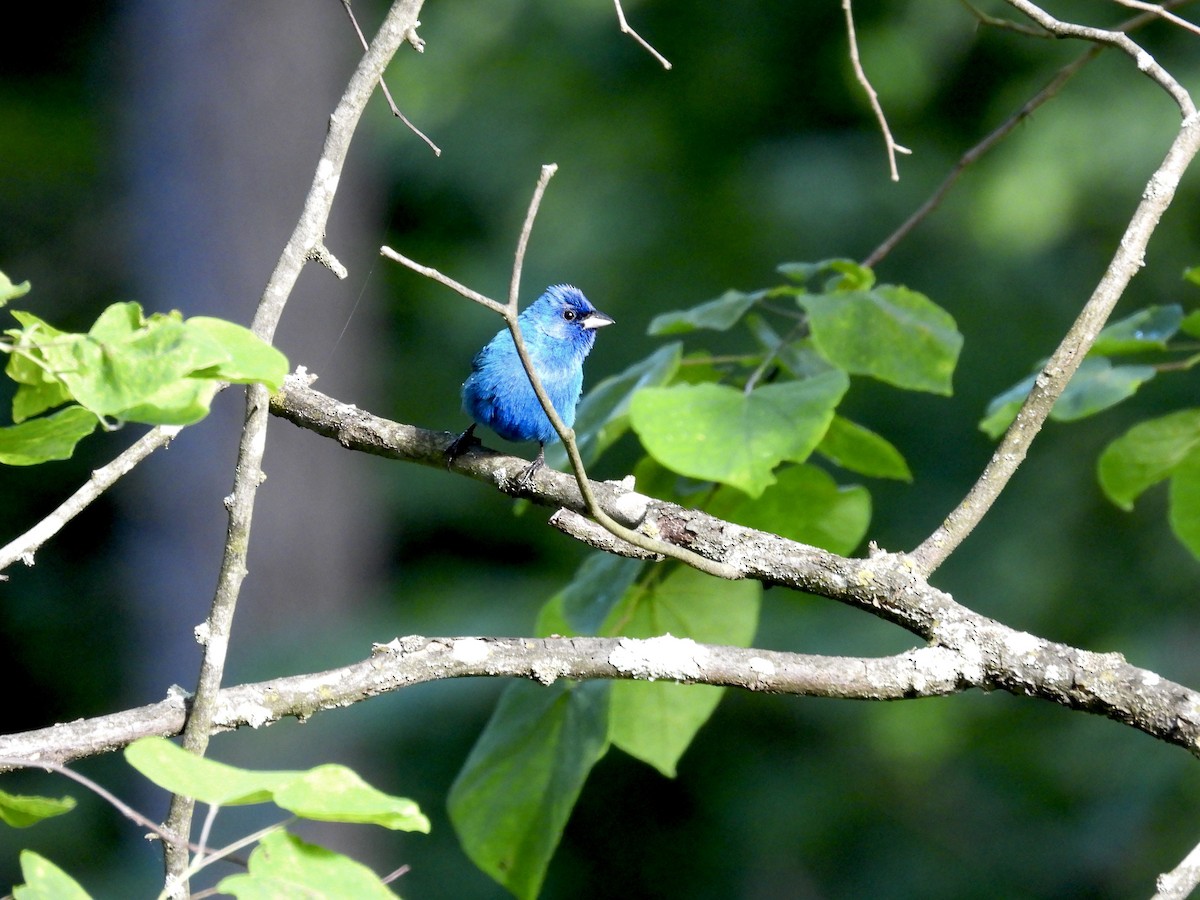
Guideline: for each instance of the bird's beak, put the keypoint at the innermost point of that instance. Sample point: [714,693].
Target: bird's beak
[596,319]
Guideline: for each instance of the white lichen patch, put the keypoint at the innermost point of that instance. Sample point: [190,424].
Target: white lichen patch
[659,657]
[1021,643]
[470,651]
[762,668]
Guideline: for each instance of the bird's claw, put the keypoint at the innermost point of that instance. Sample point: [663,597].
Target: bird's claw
[524,481]
[461,445]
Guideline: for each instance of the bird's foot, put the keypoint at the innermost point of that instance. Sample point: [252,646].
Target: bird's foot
[525,479]
[461,445]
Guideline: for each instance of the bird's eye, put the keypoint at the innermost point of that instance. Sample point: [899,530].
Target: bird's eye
[570,315]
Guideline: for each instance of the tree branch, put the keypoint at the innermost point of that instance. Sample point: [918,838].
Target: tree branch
[856,63]
[307,240]
[890,586]
[24,547]
[1037,668]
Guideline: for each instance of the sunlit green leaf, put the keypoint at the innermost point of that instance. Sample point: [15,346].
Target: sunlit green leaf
[511,800]
[250,358]
[1146,329]
[806,505]
[283,866]
[861,450]
[657,721]
[31,399]
[46,881]
[10,291]
[603,414]
[847,274]
[21,811]
[1148,453]
[715,315]
[890,333]
[180,772]
[333,793]
[719,433]
[46,438]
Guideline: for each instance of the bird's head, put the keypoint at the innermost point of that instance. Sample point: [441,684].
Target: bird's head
[564,313]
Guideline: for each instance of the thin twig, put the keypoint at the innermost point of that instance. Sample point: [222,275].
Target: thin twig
[539,191]
[626,28]
[23,547]
[1007,24]
[1144,61]
[1065,74]
[437,151]
[1126,261]
[1158,10]
[566,435]
[308,234]
[115,802]
[892,147]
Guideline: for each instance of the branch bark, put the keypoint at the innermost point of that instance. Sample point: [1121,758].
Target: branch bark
[989,655]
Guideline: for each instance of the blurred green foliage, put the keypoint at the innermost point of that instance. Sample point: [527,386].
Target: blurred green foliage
[674,187]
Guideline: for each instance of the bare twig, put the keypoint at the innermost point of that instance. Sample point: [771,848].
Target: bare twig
[307,236]
[1159,10]
[1006,24]
[626,28]
[892,147]
[419,46]
[1129,257]
[1144,61]
[24,547]
[8,762]
[509,312]
[1065,74]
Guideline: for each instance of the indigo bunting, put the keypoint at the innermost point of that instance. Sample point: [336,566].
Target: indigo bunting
[559,328]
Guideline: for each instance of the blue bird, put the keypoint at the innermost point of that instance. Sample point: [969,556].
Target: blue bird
[559,329]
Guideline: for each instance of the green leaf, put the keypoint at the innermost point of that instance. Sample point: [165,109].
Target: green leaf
[31,399]
[1147,329]
[1191,324]
[1146,454]
[861,450]
[47,438]
[21,811]
[799,357]
[513,797]
[657,721]
[46,881]
[1183,511]
[327,793]
[250,358]
[890,333]
[719,433]
[806,505]
[603,414]
[10,291]
[1192,274]
[715,315]
[180,772]
[1096,385]
[283,866]
[333,793]
[582,606]
[848,275]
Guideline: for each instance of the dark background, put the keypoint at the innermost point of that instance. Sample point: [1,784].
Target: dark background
[160,152]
